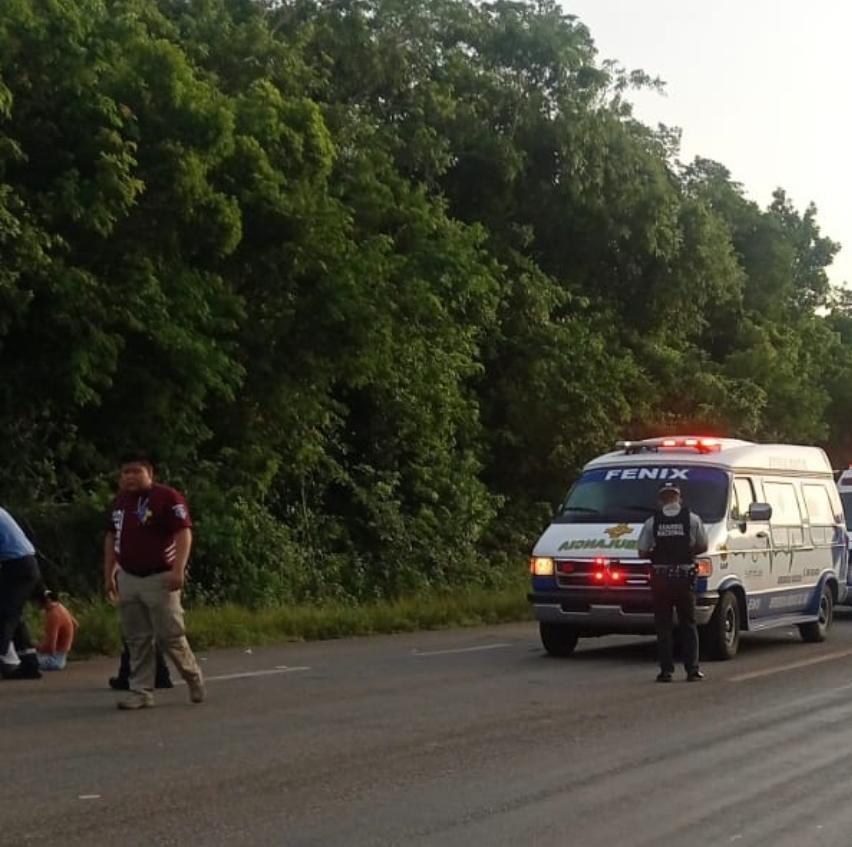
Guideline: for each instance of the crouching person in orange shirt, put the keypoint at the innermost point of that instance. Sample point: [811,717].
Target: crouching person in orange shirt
[59,627]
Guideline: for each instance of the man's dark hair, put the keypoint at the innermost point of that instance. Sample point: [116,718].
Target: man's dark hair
[136,457]
[41,595]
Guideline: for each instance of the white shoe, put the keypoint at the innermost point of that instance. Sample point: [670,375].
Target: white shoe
[136,700]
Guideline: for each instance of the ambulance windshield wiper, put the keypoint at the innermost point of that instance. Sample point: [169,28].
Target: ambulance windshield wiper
[640,508]
[581,509]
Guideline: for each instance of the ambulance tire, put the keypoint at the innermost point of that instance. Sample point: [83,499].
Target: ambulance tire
[558,639]
[720,638]
[817,630]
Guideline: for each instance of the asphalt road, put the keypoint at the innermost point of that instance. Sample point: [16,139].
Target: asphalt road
[465,737]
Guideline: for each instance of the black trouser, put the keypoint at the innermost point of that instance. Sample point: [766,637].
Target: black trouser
[675,593]
[162,678]
[18,579]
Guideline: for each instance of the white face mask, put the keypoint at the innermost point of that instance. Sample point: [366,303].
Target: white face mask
[671,509]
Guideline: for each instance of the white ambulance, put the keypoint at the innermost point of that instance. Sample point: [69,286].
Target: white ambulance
[777,553]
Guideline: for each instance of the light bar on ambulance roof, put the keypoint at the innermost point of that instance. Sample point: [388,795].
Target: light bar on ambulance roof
[702,444]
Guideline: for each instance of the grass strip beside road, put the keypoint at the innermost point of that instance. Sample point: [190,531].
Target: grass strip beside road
[238,626]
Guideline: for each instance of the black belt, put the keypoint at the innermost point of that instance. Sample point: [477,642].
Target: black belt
[19,560]
[675,571]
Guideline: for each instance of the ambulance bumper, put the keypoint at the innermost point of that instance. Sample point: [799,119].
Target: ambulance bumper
[599,615]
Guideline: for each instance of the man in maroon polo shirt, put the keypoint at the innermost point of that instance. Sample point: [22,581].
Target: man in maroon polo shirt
[149,538]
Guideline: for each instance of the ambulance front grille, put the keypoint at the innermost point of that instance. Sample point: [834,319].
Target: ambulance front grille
[579,573]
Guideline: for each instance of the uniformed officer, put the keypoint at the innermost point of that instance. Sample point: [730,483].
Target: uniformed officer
[672,538]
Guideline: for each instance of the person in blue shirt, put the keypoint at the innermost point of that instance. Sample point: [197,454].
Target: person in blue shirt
[19,575]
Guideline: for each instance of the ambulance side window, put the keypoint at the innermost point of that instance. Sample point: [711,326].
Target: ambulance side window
[786,520]
[785,505]
[821,513]
[743,498]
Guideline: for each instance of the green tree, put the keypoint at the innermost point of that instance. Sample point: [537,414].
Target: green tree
[373,279]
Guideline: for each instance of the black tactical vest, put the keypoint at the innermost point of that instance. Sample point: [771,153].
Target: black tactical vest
[672,544]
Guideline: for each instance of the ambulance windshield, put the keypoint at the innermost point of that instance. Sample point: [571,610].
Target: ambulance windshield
[629,494]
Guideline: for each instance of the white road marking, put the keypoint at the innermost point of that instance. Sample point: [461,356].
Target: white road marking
[89,797]
[828,657]
[459,650]
[249,674]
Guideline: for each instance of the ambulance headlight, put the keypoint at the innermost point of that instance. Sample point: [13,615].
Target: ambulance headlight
[704,567]
[541,566]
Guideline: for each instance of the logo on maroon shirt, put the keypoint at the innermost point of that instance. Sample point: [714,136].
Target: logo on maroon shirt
[143,511]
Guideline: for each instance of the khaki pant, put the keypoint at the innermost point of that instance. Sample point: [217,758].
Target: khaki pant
[149,611]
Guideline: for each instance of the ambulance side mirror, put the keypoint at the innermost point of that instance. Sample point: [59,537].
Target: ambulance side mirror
[759,512]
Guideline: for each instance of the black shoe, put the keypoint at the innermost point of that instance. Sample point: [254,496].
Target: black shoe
[119,683]
[664,676]
[694,676]
[25,670]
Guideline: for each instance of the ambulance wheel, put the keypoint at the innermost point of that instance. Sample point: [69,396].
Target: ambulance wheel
[817,630]
[558,639]
[720,639]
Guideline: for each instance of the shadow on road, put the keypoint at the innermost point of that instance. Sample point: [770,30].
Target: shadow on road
[640,648]
[643,648]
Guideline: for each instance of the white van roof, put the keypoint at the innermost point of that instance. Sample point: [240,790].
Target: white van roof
[728,453]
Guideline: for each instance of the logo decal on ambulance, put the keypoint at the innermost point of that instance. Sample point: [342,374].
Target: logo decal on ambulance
[599,544]
[617,532]
[669,474]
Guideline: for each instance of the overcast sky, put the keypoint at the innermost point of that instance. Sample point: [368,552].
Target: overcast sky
[763,86]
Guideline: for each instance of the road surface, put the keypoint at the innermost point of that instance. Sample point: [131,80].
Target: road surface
[463,737]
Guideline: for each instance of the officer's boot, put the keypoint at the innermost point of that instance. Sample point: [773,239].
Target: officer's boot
[122,681]
[27,669]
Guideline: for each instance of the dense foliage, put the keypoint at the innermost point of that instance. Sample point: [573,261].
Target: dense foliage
[371,279]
